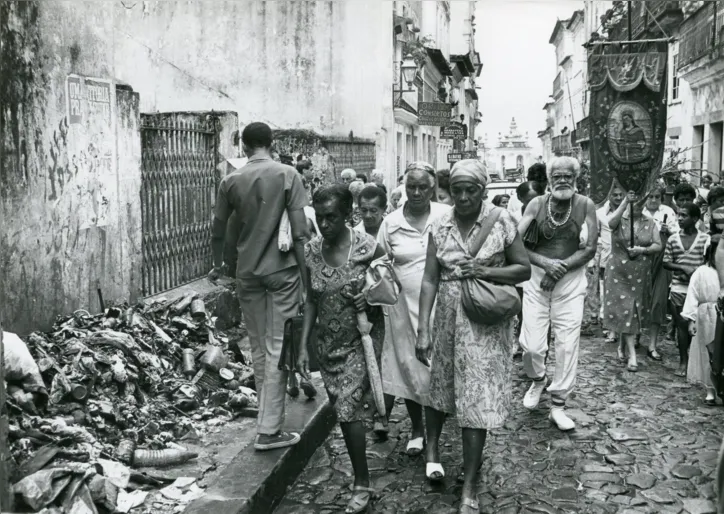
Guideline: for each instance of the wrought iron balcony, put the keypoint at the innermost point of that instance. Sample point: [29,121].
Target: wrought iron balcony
[663,13]
[701,33]
[562,144]
[639,19]
[583,131]
[400,103]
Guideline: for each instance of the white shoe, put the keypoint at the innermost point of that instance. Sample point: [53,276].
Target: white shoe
[532,397]
[561,420]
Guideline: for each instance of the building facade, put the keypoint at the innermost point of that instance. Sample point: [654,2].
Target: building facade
[699,63]
[510,156]
[440,37]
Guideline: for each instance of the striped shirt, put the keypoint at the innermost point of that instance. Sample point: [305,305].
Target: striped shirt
[694,256]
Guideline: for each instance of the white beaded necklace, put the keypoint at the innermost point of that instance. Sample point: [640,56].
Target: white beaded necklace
[552,220]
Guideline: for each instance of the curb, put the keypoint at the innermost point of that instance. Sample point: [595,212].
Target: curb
[255,482]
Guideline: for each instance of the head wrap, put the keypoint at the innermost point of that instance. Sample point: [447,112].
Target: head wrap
[422,166]
[469,170]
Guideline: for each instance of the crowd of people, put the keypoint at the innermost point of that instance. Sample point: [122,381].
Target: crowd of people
[655,257]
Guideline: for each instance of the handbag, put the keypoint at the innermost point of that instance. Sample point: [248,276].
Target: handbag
[382,287]
[485,302]
[293,329]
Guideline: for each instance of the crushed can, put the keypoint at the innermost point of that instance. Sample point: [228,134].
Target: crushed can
[198,309]
[189,362]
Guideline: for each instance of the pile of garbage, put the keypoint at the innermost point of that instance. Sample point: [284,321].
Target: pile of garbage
[100,397]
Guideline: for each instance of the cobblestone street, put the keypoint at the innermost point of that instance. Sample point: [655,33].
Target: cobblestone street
[644,443]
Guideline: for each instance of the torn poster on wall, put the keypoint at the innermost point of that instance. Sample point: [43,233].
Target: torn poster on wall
[92,142]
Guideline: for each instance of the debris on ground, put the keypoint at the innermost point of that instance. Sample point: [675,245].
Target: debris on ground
[99,397]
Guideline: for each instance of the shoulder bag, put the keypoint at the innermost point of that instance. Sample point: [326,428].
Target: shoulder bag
[485,302]
[382,287]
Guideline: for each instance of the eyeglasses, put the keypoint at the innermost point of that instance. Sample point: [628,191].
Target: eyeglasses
[563,178]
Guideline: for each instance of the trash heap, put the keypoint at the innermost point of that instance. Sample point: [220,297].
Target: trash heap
[101,397]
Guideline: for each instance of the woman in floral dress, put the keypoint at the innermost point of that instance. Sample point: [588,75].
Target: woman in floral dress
[627,281]
[336,263]
[471,364]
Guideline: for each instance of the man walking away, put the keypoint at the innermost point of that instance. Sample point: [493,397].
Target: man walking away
[268,281]
[553,297]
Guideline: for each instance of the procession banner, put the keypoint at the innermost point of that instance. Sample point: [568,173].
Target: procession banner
[627,120]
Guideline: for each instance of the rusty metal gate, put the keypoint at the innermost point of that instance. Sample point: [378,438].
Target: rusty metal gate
[178,188]
[358,154]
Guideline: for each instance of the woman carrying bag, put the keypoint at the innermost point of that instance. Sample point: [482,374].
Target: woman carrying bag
[471,361]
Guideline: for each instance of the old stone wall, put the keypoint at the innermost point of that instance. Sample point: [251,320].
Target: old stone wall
[74,77]
[69,167]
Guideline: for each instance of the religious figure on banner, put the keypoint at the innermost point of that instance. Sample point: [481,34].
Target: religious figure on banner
[627,118]
[629,132]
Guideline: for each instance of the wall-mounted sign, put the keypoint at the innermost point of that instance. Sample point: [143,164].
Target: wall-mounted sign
[435,114]
[452,132]
[453,157]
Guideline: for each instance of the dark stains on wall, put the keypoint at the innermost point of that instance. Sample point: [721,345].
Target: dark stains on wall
[19,54]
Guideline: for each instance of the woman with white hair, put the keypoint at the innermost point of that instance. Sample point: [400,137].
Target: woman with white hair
[470,363]
[404,235]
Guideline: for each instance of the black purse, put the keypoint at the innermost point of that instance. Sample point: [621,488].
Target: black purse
[293,329]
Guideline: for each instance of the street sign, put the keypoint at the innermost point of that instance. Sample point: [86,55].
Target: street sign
[452,132]
[435,114]
[453,157]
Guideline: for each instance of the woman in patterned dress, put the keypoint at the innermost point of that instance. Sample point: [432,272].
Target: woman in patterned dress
[627,281]
[336,263]
[471,364]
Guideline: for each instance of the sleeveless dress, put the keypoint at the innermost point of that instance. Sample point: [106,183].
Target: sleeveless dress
[338,347]
[627,282]
[471,368]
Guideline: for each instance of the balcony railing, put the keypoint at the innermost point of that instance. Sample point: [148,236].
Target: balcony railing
[639,20]
[562,144]
[583,131]
[400,103]
[664,17]
[701,33]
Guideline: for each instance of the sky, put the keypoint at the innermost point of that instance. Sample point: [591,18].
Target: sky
[518,63]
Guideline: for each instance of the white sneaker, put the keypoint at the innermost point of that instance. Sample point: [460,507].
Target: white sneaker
[532,397]
[561,420]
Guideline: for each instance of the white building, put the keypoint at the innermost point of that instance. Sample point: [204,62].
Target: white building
[510,156]
[440,34]
[699,61]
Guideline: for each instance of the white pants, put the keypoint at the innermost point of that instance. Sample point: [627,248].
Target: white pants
[561,310]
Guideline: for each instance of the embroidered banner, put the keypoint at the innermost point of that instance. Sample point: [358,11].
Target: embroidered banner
[627,120]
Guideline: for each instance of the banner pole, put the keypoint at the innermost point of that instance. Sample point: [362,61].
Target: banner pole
[631,215]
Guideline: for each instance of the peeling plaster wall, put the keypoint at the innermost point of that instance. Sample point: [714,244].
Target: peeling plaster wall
[69,196]
[324,66]
[297,65]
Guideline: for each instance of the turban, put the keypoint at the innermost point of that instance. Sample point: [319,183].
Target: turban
[422,166]
[469,170]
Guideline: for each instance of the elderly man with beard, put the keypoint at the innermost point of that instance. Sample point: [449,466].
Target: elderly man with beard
[552,226]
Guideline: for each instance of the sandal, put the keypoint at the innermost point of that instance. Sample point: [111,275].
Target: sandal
[653,354]
[434,472]
[633,368]
[680,373]
[469,506]
[360,500]
[415,446]
[710,401]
